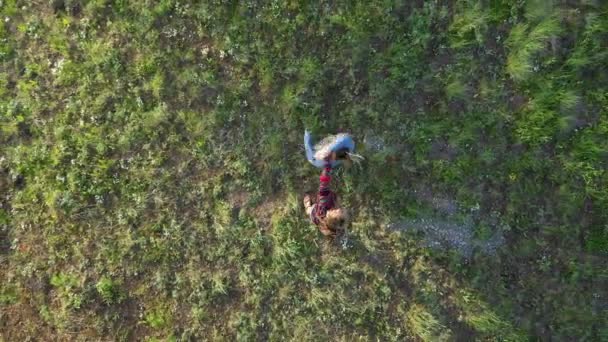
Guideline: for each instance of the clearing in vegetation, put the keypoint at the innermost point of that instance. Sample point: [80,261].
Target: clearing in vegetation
[152,170]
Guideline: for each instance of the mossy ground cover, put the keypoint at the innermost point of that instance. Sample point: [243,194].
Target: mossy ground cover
[152,169]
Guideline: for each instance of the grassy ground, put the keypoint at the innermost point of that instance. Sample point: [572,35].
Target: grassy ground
[152,169]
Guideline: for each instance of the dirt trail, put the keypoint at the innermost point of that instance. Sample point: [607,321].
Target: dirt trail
[450,234]
[452,227]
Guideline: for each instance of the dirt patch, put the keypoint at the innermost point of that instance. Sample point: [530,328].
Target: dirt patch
[457,106]
[20,322]
[443,204]
[263,212]
[441,149]
[441,60]
[446,230]
[5,209]
[374,143]
[448,234]
[238,199]
[517,102]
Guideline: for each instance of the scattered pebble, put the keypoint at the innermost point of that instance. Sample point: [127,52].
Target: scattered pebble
[446,234]
[447,230]
[374,143]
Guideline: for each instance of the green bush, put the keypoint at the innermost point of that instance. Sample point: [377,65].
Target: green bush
[109,291]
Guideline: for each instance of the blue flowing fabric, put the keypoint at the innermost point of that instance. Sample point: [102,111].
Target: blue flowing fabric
[342,141]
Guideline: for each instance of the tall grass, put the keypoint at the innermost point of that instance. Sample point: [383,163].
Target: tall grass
[526,42]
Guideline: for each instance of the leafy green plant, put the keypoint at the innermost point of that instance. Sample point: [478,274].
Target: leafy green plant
[67,285]
[8,294]
[158,318]
[109,291]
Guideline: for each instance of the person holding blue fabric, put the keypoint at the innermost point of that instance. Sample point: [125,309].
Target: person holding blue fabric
[325,212]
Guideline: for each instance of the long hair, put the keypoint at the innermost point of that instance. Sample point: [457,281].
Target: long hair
[335,222]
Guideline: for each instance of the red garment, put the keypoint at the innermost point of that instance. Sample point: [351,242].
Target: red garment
[326,199]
